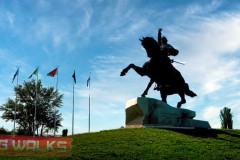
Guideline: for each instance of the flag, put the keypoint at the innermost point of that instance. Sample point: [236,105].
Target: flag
[16,74]
[88,81]
[34,73]
[74,77]
[53,72]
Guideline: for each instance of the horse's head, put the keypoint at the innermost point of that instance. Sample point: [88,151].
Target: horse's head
[151,46]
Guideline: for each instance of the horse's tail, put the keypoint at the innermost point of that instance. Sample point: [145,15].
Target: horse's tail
[189,92]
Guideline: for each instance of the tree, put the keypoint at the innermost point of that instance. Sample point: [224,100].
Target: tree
[226,118]
[46,100]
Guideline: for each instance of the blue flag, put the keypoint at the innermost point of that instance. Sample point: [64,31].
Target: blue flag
[88,81]
[74,77]
[16,74]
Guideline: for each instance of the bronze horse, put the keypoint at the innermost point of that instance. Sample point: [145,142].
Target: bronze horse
[161,71]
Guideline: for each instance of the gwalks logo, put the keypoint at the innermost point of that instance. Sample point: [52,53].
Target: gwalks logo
[34,146]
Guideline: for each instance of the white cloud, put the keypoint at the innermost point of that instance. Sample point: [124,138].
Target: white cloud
[201,8]
[211,114]
[210,48]
[10,18]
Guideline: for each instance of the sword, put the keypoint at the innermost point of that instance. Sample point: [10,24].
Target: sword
[182,63]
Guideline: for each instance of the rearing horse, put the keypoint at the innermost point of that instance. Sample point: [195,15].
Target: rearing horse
[161,71]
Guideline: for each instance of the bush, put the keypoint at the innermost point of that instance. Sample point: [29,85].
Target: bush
[64,132]
[20,131]
[4,131]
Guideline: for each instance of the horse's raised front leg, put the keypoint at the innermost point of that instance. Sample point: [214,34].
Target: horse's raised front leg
[125,70]
[183,100]
[148,87]
[139,70]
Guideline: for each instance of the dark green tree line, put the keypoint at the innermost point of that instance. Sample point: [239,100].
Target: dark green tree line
[46,100]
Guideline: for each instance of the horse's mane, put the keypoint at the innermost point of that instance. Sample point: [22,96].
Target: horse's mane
[150,45]
[149,42]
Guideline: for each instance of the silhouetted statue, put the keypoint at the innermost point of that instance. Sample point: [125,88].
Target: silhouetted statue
[161,71]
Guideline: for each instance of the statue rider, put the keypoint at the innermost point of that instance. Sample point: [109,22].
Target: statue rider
[164,46]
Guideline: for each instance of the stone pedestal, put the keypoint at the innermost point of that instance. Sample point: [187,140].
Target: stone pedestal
[149,112]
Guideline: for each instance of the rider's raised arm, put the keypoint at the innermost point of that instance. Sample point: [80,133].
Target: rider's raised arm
[159,35]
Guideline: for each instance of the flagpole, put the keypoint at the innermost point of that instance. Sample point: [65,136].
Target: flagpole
[89,110]
[35,109]
[15,108]
[89,104]
[55,107]
[73,111]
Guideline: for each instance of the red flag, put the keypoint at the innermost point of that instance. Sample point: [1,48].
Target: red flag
[53,72]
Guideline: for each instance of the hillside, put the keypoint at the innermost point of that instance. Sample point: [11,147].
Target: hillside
[146,143]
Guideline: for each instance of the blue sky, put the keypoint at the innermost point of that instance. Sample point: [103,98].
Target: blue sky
[102,37]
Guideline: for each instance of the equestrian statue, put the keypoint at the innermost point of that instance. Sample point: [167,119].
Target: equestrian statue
[160,70]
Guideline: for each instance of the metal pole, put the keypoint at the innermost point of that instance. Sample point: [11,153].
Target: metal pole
[14,129]
[73,111]
[55,106]
[35,109]
[89,108]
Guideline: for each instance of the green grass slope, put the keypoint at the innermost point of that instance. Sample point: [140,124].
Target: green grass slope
[148,143]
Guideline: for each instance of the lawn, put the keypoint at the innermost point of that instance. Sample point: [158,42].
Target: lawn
[149,143]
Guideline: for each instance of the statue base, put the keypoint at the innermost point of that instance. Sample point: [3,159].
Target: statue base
[149,112]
